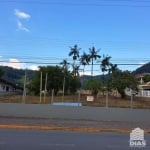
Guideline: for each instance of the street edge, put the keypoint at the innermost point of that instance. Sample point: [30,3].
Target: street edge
[61,128]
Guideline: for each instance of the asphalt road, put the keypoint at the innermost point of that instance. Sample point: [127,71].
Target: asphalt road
[76,113]
[11,139]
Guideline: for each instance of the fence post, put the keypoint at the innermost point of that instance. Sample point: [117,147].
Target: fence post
[131,102]
[52,97]
[107,99]
[78,97]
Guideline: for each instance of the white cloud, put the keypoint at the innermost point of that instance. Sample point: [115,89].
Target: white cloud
[85,73]
[141,63]
[33,67]
[14,63]
[21,27]
[21,15]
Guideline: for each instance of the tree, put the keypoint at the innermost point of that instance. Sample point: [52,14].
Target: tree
[54,80]
[1,72]
[76,70]
[93,56]
[113,68]
[94,85]
[74,52]
[146,78]
[64,64]
[122,80]
[74,84]
[107,66]
[84,60]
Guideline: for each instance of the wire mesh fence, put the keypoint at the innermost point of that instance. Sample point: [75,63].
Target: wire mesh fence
[78,98]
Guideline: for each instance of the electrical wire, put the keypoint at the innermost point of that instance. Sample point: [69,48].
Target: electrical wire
[100,3]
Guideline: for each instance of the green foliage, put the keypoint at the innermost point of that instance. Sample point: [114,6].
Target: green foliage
[74,84]
[146,78]
[55,80]
[121,80]
[94,85]
[16,76]
[1,72]
[74,52]
[93,56]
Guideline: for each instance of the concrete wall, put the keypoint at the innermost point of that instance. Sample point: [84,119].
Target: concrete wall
[70,112]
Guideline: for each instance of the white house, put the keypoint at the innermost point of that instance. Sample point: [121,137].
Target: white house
[6,86]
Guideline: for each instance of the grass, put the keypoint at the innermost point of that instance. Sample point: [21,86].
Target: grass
[98,101]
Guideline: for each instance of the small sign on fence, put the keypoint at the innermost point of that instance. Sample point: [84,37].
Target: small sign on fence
[90,98]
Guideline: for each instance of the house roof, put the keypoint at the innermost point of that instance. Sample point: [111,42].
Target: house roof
[7,82]
[145,86]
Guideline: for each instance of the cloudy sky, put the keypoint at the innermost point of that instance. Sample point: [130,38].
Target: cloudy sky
[39,32]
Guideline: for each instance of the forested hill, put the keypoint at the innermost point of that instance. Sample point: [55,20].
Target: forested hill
[16,76]
[143,69]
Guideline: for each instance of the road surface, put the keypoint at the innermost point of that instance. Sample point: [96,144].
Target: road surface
[48,111]
[11,139]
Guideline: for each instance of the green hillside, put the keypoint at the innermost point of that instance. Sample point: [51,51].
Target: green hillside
[16,76]
[143,69]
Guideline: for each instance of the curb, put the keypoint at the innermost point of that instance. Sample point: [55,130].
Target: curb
[75,129]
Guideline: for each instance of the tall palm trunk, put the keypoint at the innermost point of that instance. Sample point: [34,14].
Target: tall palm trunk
[92,69]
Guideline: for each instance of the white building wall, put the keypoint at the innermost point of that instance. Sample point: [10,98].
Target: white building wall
[6,88]
[141,93]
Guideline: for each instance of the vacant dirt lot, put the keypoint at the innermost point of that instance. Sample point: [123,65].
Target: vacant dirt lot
[98,101]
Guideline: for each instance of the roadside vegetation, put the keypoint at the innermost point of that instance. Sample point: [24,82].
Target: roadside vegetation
[64,82]
[65,78]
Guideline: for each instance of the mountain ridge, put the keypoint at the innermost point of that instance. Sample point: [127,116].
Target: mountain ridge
[16,76]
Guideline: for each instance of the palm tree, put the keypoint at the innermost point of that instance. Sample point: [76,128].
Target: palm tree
[113,68]
[84,60]
[93,56]
[105,63]
[107,66]
[64,64]
[76,70]
[74,52]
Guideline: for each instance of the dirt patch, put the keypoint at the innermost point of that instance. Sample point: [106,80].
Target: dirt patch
[99,101]
[72,125]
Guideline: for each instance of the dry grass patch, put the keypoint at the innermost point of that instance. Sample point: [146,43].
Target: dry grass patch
[98,101]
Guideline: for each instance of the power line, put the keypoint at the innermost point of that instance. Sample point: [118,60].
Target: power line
[56,63]
[134,3]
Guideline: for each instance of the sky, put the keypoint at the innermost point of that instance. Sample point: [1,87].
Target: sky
[41,32]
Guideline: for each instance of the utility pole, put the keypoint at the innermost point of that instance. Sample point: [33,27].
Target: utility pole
[45,90]
[63,88]
[24,87]
[131,103]
[41,88]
